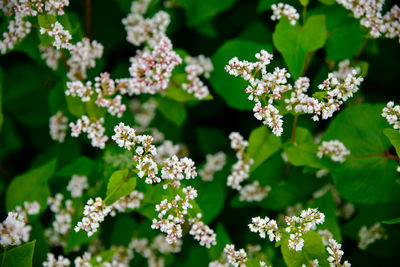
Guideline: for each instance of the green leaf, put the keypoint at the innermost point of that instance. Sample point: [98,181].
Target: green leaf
[313,249]
[199,11]
[295,42]
[303,151]
[45,21]
[392,221]
[9,140]
[119,186]
[368,176]
[31,186]
[20,256]
[81,166]
[123,230]
[327,2]
[262,145]
[172,110]
[394,138]
[230,88]
[345,36]
[75,106]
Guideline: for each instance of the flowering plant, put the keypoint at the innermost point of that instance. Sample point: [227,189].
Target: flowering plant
[186,132]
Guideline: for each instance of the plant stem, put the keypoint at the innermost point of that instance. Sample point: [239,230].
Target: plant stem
[304,15]
[88,18]
[294,128]
[119,185]
[4,257]
[364,43]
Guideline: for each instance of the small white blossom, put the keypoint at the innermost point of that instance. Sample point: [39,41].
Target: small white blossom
[214,163]
[254,192]
[333,149]
[61,37]
[51,261]
[13,230]
[202,233]
[369,236]
[94,129]
[335,254]
[51,56]
[58,126]
[392,114]
[236,258]
[77,184]
[284,10]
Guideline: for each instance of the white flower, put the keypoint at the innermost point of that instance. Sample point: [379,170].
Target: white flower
[369,236]
[392,114]
[77,184]
[213,164]
[254,192]
[58,126]
[285,10]
[334,149]
[14,230]
[236,258]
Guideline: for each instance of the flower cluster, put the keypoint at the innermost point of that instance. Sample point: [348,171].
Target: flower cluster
[95,211]
[369,236]
[129,202]
[263,85]
[254,192]
[236,258]
[241,169]
[94,129]
[51,55]
[144,112]
[150,251]
[151,70]
[201,232]
[51,261]
[284,10]
[166,150]
[214,163]
[77,184]
[172,214]
[194,68]
[145,151]
[19,26]
[61,37]
[14,229]
[334,149]
[175,169]
[370,14]
[392,114]
[265,226]
[62,220]
[340,86]
[145,30]
[83,55]
[335,254]
[296,227]
[58,126]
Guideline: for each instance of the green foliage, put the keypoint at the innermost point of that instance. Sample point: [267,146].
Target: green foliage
[394,138]
[1,98]
[198,11]
[313,249]
[20,256]
[172,110]
[295,43]
[262,145]
[368,176]
[30,186]
[119,185]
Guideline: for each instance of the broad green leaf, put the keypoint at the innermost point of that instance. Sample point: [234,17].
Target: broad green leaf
[230,88]
[262,145]
[295,42]
[75,106]
[326,205]
[20,256]
[345,36]
[303,151]
[207,29]
[313,249]
[172,110]
[369,175]
[199,11]
[30,186]
[41,246]
[119,186]
[81,166]
[394,138]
